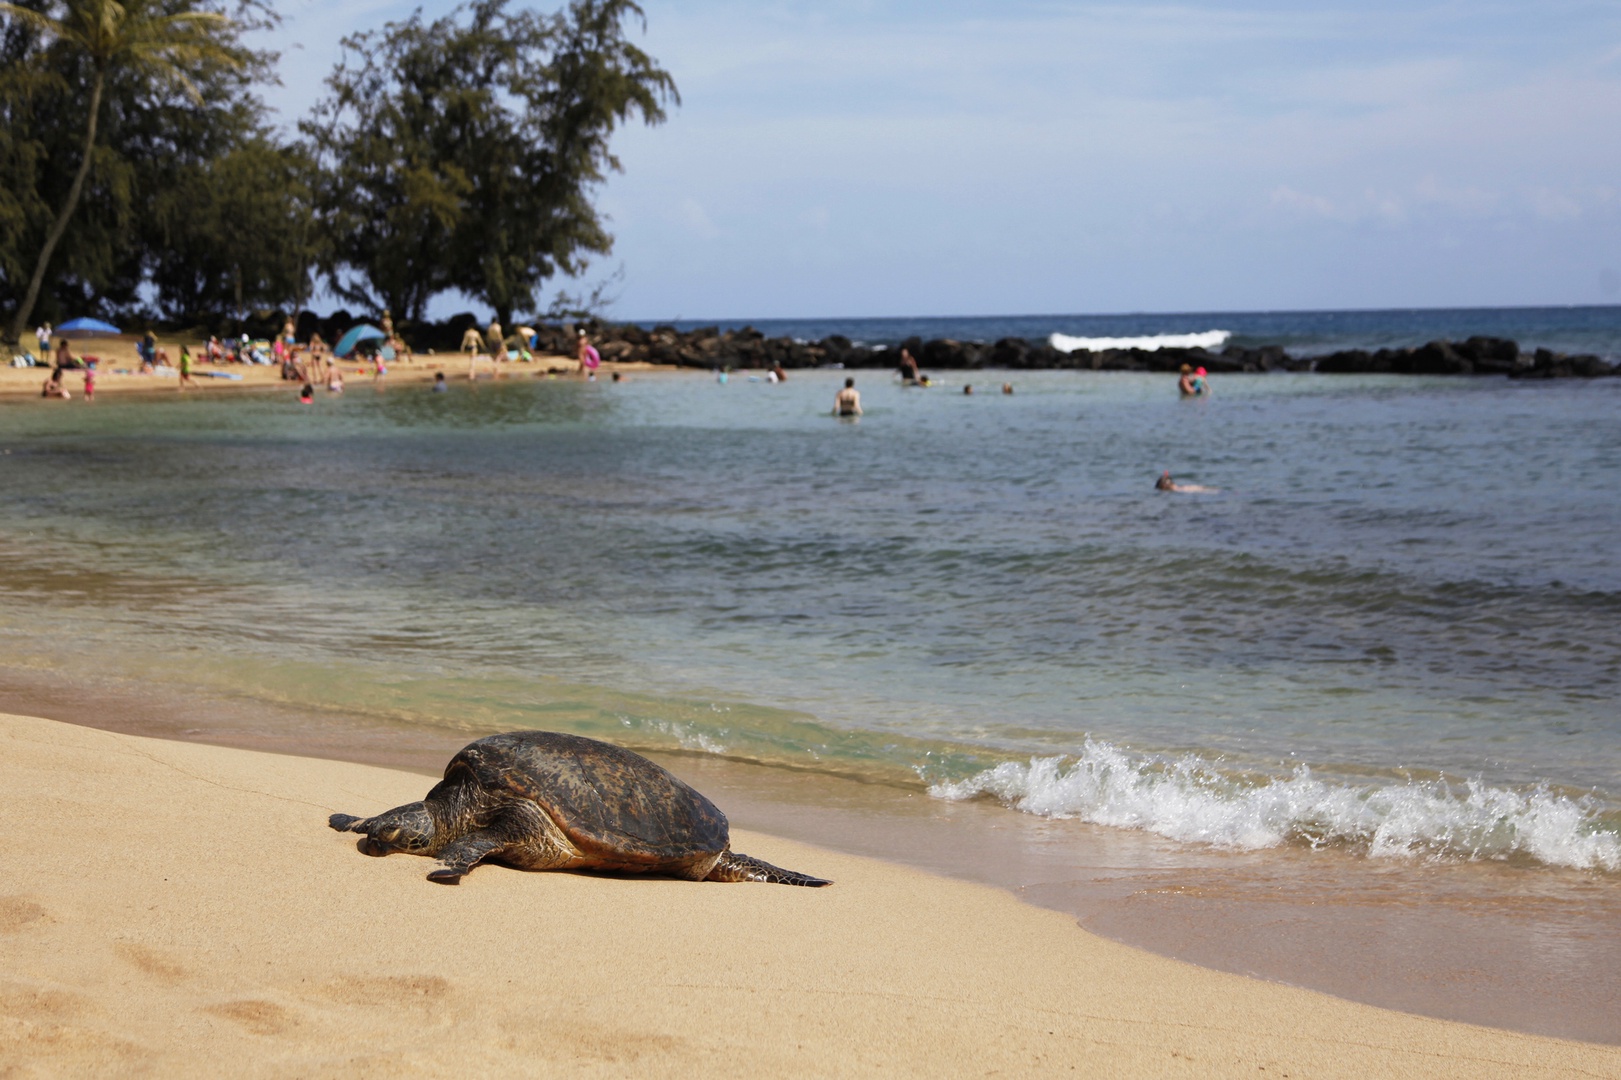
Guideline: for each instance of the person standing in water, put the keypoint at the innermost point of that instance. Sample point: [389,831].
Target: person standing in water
[848,401]
[588,356]
[472,345]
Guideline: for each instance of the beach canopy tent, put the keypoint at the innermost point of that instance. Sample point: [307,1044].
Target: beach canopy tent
[87,326]
[363,332]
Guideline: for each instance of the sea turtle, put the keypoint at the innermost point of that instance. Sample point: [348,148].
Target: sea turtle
[542,800]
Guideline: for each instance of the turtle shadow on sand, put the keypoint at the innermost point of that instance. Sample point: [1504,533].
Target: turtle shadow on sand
[542,800]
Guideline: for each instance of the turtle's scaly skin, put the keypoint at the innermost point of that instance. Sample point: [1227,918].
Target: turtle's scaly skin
[542,800]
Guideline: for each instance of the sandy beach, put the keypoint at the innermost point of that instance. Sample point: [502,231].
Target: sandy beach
[118,370]
[181,909]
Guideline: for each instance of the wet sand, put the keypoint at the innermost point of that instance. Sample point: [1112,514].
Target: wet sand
[1541,955]
[181,909]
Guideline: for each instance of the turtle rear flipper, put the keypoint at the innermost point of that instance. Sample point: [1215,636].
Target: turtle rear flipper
[735,867]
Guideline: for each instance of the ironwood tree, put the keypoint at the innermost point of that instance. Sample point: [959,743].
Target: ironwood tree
[464,153]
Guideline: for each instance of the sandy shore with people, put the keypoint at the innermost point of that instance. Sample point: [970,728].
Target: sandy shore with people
[180,909]
[118,370]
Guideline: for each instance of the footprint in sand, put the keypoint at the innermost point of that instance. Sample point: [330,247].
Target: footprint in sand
[259,1017]
[386,990]
[17,912]
[37,1004]
[151,961]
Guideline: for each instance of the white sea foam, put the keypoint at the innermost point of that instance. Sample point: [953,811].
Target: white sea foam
[1186,799]
[1210,339]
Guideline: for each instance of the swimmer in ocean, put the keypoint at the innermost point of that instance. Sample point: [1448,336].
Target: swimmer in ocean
[1165,483]
[848,403]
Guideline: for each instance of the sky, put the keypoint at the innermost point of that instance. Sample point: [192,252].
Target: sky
[973,158]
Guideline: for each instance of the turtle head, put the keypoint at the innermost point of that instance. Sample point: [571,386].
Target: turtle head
[409,828]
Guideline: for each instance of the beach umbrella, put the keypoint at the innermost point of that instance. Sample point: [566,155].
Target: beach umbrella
[86,326]
[363,332]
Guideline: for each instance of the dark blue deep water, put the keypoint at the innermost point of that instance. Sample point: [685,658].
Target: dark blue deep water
[1302,333]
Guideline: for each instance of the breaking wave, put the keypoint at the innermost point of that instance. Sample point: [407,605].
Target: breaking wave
[1188,800]
[1209,339]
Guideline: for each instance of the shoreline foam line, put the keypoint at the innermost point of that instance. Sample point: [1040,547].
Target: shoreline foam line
[1187,800]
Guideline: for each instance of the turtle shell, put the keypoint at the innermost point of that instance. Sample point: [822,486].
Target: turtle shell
[609,801]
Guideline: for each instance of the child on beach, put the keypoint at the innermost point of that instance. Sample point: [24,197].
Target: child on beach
[53,387]
[89,383]
[589,358]
[185,368]
[306,394]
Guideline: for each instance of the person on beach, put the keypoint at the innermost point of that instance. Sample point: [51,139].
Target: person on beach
[1184,382]
[848,401]
[334,380]
[497,341]
[588,356]
[908,368]
[53,387]
[64,355]
[439,384]
[968,389]
[1201,386]
[779,373]
[89,383]
[147,350]
[379,369]
[43,335]
[1165,483]
[185,368]
[216,351]
[472,345]
[306,394]
[1007,388]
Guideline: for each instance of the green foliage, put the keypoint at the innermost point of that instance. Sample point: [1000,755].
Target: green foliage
[139,175]
[234,233]
[463,153]
[170,81]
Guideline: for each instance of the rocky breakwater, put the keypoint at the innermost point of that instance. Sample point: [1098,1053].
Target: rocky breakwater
[711,347]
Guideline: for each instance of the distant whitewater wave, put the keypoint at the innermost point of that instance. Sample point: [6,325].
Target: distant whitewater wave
[1209,339]
[1186,799]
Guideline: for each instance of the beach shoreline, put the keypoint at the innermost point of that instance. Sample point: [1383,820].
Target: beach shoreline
[228,928]
[1396,935]
[118,372]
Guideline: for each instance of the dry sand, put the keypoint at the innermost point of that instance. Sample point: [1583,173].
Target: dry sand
[175,909]
[118,370]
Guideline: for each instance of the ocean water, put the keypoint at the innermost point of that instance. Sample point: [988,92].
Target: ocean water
[1586,329]
[1391,634]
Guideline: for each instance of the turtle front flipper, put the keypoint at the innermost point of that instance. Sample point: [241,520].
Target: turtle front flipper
[462,855]
[735,867]
[346,823]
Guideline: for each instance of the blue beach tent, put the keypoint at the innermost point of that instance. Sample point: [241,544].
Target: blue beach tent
[362,332]
[86,326]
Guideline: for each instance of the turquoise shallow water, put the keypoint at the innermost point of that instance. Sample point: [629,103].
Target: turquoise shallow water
[1395,629]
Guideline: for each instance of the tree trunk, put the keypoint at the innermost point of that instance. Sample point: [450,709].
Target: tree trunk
[20,322]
